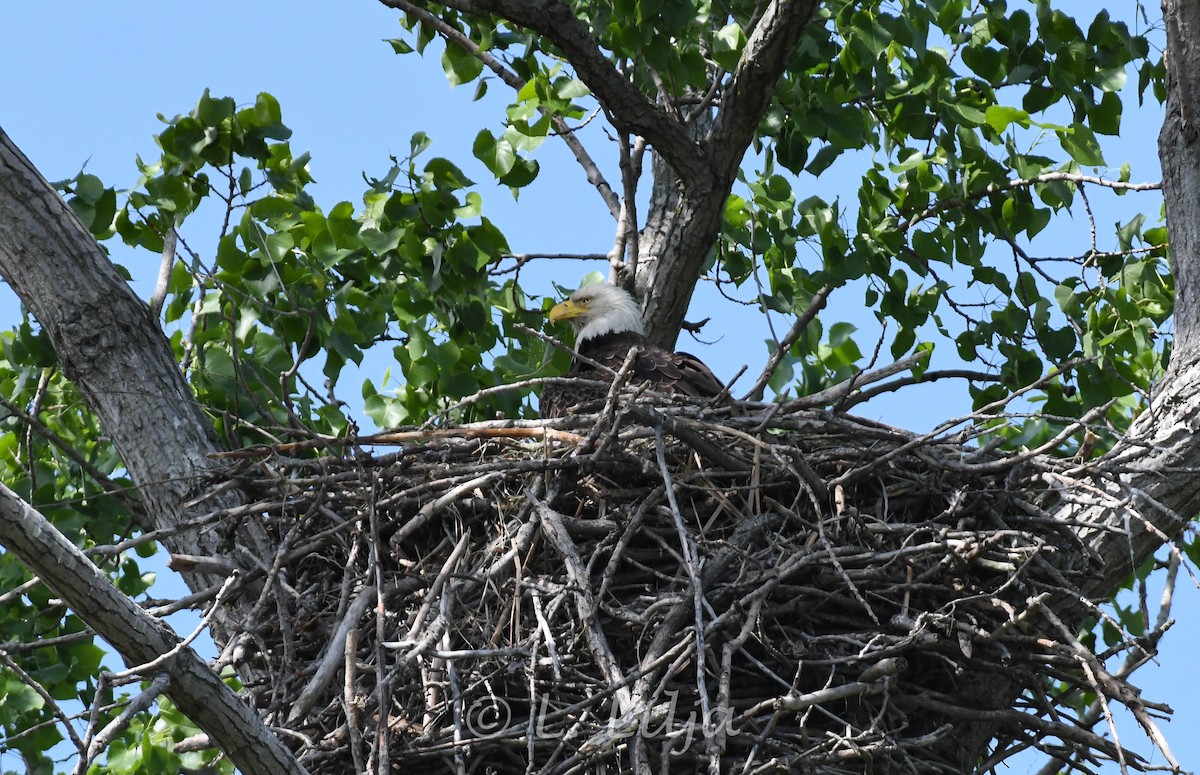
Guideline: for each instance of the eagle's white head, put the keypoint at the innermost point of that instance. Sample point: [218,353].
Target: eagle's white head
[595,310]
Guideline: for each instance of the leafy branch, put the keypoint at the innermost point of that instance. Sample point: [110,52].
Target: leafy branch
[457,38]
[628,108]
[1009,185]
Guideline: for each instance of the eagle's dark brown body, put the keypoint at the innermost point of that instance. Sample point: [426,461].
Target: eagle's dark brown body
[667,372]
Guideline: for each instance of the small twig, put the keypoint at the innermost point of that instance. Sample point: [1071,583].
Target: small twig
[455,38]
[518,430]
[842,390]
[925,378]
[350,701]
[1008,185]
[149,667]
[677,427]
[98,743]
[163,283]
[383,684]
[435,589]
[51,703]
[558,345]
[547,633]
[783,346]
[17,591]
[604,430]
[124,494]
[795,703]
[693,571]
[983,411]
[427,511]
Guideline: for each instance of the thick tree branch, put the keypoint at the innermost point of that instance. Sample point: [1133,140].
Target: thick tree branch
[764,59]
[1148,490]
[113,350]
[1179,152]
[684,230]
[195,688]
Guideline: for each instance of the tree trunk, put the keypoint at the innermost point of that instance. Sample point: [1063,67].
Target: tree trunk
[681,230]
[1179,156]
[1151,491]
[115,353]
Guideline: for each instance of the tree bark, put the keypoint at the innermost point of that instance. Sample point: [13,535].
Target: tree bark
[1149,489]
[114,352]
[681,230]
[110,347]
[1180,159]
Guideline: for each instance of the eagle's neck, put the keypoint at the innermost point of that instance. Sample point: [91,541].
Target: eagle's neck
[622,317]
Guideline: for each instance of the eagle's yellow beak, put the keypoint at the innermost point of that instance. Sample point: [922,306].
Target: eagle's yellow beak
[567,310]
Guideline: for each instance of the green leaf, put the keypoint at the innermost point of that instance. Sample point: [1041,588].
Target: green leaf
[1081,144]
[1112,79]
[16,698]
[727,45]
[496,154]
[89,188]
[399,45]
[418,143]
[1105,116]
[998,117]
[459,65]
[524,172]
[571,89]
[827,155]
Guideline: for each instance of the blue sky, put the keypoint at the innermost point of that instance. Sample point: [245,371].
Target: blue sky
[82,83]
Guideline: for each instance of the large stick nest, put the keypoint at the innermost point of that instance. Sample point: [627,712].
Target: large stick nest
[671,588]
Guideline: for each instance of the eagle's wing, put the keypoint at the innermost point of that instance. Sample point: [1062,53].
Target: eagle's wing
[696,379]
[678,373]
[667,372]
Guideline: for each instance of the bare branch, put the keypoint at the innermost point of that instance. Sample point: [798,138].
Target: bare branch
[784,345]
[104,737]
[164,272]
[925,378]
[1009,185]
[29,681]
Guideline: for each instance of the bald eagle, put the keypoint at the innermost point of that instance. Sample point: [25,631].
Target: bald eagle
[607,324]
